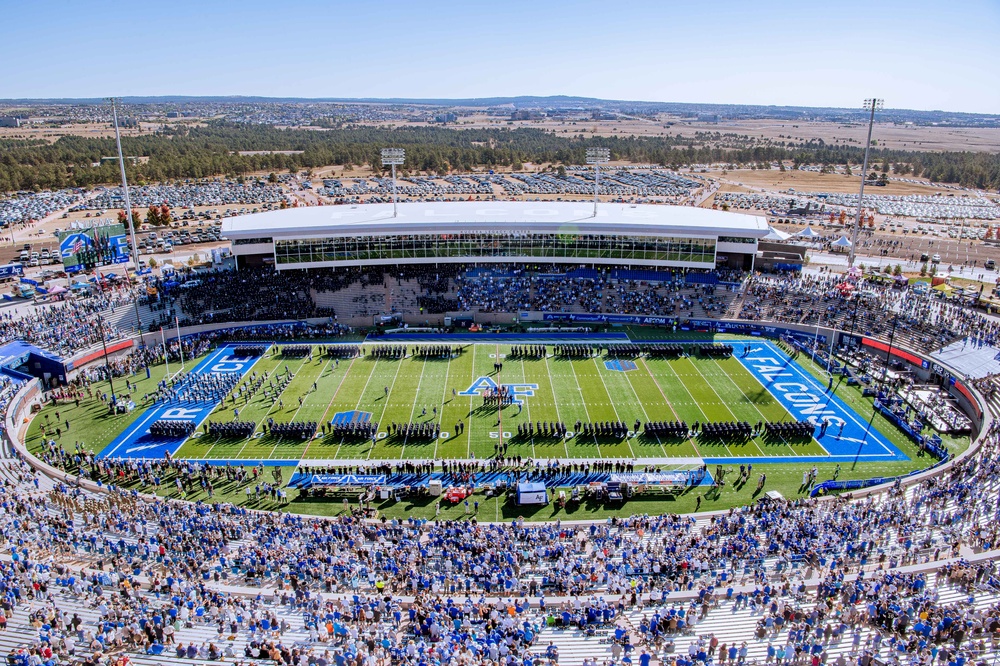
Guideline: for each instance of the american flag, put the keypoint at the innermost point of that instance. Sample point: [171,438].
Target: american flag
[77,246]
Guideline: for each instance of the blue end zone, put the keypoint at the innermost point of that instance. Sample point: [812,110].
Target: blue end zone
[621,366]
[135,441]
[807,399]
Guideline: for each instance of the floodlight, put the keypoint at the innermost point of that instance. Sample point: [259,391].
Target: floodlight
[597,156]
[392,157]
[871,105]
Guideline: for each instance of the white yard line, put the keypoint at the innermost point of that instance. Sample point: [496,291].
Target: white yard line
[413,410]
[587,411]
[385,404]
[643,407]
[444,396]
[618,417]
[681,382]
[468,446]
[709,384]
[332,398]
[301,405]
[555,401]
[264,418]
[527,404]
[252,397]
[756,408]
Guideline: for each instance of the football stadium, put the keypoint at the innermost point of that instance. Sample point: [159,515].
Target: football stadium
[501,432]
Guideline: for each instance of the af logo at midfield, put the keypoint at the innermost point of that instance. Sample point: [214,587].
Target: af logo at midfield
[517,391]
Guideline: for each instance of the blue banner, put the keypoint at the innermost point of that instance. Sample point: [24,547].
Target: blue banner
[584,318]
[693,324]
[347,480]
[11,270]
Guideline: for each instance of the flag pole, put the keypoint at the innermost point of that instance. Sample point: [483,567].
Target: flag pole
[166,355]
[180,347]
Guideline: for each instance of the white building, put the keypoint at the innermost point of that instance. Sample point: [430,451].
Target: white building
[496,232]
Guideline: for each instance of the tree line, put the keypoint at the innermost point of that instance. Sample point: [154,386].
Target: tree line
[213,150]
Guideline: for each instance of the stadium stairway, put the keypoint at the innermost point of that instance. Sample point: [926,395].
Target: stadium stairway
[736,626]
[355,300]
[123,318]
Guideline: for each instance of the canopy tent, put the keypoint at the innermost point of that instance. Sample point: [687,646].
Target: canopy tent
[808,232]
[58,289]
[854,272]
[776,235]
[845,288]
[842,242]
[531,492]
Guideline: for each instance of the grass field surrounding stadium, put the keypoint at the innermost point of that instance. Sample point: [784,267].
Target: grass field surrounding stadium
[758,384]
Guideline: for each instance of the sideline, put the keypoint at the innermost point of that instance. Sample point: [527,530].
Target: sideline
[18,417]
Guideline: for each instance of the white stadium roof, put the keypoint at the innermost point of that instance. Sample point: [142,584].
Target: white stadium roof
[473,216]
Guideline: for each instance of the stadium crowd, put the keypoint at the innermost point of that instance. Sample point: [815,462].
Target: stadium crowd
[421,592]
[869,307]
[417,591]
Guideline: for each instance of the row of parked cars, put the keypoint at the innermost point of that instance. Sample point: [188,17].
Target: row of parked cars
[165,241]
[29,257]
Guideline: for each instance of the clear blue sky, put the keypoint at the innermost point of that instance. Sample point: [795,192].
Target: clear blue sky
[918,54]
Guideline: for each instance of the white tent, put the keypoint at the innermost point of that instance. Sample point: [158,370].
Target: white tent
[531,492]
[776,235]
[808,232]
[842,242]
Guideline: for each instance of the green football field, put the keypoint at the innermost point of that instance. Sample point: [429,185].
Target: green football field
[692,389]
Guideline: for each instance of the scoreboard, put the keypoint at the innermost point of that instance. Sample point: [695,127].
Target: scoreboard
[83,249]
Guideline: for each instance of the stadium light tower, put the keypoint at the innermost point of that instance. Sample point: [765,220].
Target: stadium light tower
[129,221]
[392,157]
[872,105]
[597,157]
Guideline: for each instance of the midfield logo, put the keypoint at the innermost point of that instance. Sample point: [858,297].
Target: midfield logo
[517,391]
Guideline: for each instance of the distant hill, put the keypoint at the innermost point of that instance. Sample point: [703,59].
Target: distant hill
[684,109]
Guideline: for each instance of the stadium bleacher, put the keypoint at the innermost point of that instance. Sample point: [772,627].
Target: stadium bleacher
[906,574]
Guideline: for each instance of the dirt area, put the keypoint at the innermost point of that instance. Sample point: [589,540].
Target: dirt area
[52,132]
[809,181]
[906,137]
